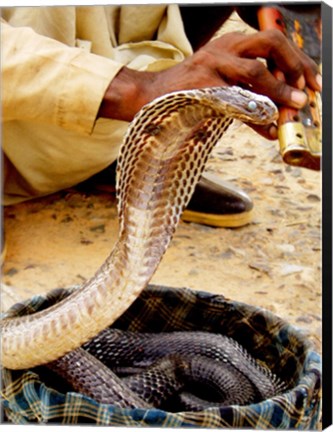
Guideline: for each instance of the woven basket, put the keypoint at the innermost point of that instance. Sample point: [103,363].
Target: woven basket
[27,399]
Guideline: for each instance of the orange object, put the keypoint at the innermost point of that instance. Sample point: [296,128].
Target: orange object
[299,131]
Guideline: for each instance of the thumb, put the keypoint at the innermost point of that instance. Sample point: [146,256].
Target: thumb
[267,131]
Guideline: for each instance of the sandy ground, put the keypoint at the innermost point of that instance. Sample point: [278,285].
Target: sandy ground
[274,262]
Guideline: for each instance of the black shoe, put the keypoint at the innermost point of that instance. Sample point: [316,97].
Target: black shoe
[218,203]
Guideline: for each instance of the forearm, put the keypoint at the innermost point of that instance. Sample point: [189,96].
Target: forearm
[126,94]
[230,59]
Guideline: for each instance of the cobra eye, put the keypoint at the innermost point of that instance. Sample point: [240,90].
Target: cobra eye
[252,105]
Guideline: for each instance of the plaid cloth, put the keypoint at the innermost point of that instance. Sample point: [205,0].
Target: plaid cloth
[27,399]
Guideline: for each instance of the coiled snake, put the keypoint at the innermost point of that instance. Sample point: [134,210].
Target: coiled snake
[162,157]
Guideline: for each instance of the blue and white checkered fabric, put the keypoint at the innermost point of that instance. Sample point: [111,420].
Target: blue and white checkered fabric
[26,399]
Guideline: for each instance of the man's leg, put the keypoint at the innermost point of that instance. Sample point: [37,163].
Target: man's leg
[54,158]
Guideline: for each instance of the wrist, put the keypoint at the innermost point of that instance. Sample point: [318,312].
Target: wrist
[126,95]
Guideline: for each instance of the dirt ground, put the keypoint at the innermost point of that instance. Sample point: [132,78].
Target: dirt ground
[274,262]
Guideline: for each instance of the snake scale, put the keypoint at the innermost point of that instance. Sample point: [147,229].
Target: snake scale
[161,159]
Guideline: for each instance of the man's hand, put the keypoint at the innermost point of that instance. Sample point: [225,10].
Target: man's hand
[232,59]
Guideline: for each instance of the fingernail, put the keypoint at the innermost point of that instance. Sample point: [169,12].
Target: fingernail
[319,80]
[273,132]
[298,97]
[301,82]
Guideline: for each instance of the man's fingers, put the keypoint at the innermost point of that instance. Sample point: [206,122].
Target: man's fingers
[311,73]
[273,45]
[286,56]
[254,75]
[293,62]
[267,131]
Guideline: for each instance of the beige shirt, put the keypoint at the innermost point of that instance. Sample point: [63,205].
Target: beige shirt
[56,65]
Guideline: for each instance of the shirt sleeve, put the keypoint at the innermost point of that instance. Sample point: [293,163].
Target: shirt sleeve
[45,81]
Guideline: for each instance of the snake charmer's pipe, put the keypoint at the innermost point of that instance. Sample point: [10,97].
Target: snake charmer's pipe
[299,131]
[162,157]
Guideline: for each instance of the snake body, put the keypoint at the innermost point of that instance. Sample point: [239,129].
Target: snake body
[122,350]
[166,370]
[200,359]
[89,376]
[161,159]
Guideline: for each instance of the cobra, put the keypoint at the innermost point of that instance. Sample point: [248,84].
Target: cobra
[161,158]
